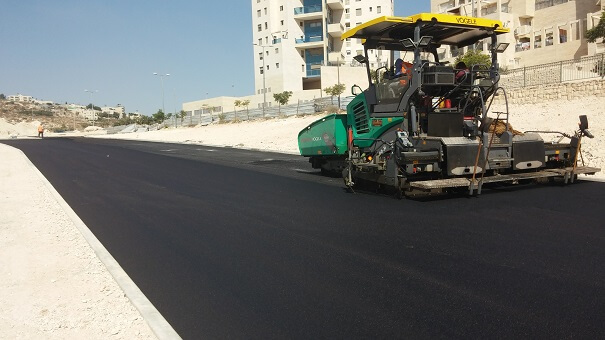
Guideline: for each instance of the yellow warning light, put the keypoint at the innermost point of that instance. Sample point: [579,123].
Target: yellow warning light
[415,162]
[556,152]
[369,158]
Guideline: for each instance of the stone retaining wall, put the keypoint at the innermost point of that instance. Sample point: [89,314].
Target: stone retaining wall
[544,93]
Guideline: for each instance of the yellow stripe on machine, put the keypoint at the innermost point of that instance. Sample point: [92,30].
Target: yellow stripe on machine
[447,29]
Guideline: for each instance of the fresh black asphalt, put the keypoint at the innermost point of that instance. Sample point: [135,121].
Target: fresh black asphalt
[233,243]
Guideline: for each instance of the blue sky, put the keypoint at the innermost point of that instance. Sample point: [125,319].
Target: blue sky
[55,49]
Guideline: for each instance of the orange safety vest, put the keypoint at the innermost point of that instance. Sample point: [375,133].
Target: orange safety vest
[406,69]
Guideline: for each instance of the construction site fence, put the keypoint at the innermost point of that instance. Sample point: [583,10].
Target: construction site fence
[300,108]
[553,73]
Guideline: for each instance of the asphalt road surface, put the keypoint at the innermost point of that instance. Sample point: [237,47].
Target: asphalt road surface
[240,244]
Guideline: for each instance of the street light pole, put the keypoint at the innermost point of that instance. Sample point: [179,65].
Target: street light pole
[162,78]
[92,107]
[338,76]
[264,71]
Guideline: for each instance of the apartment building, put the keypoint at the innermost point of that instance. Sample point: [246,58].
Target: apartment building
[119,109]
[542,31]
[294,39]
[20,98]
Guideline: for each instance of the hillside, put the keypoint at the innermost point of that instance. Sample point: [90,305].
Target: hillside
[53,116]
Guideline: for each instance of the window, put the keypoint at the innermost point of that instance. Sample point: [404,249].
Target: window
[276,50]
[378,9]
[266,40]
[348,52]
[261,70]
[537,39]
[562,35]
[549,41]
[370,9]
[258,13]
[348,25]
[302,68]
[276,65]
[282,22]
[281,8]
[260,41]
[267,67]
[265,10]
[358,11]
[260,56]
[266,25]
[260,27]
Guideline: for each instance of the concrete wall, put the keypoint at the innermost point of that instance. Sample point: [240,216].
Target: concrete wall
[545,93]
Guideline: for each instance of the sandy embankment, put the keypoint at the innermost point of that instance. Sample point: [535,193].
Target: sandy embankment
[53,284]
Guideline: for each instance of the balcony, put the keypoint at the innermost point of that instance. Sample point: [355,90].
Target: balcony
[308,12]
[335,4]
[305,42]
[313,70]
[336,30]
[307,39]
[489,10]
[522,30]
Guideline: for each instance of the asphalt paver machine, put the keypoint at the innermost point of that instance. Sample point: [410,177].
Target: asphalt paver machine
[427,127]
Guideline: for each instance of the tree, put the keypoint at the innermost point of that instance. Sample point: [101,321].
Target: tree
[237,103]
[597,32]
[2,96]
[474,57]
[246,103]
[335,91]
[146,120]
[159,116]
[96,108]
[282,98]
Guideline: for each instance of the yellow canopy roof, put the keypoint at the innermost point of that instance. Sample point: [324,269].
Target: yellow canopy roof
[445,29]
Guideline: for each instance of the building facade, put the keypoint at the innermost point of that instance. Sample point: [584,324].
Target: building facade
[542,31]
[294,39]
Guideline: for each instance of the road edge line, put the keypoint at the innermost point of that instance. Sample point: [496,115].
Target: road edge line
[158,324]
